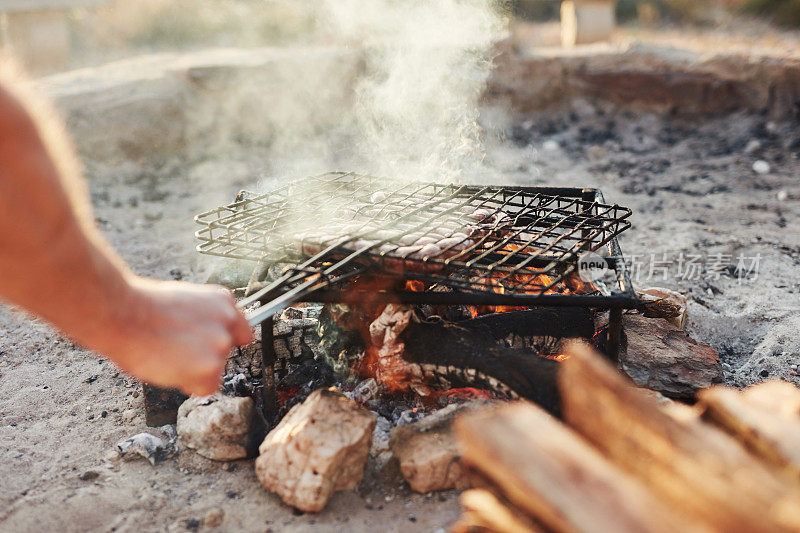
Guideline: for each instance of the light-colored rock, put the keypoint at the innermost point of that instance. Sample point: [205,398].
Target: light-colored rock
[217,427]
[319,447]
[753,146]
[428,452]
[671,297]
[550,146]
[145,445]
[761,167]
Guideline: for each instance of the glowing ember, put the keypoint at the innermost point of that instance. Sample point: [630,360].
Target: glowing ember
[284,396]
[465,393]
[413,285]
[381,325]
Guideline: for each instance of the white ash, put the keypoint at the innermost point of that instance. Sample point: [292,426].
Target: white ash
[364,391]
[380,441]
[409,416]
[144,445]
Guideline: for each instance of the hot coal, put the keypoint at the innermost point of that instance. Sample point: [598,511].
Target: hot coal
[301,381]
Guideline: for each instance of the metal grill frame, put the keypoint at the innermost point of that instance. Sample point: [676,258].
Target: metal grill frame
[330,285]
[564,221]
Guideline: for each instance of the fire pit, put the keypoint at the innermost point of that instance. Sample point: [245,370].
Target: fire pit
[507,256]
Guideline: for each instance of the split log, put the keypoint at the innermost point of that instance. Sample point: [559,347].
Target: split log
[548,472]
[691,465]
[766,418]
[485,510]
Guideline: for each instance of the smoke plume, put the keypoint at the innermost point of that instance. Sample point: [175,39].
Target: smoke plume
[416,104]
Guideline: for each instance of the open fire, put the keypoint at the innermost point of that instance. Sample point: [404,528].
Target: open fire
[397,308]
[443,291]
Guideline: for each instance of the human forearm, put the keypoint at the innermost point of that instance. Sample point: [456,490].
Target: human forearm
[52,259]
[55,263]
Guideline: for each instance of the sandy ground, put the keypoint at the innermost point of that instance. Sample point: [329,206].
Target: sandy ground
[61,408]
[693,191]
[696,201]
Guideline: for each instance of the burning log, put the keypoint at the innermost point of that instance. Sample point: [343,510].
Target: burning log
[549,475]
[661,357]
[406,354]
[388,350]
[692,466]
[766,417]
[451,356]
[561,322]
[319,447]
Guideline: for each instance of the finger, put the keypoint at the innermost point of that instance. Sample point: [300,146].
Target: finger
[241,331]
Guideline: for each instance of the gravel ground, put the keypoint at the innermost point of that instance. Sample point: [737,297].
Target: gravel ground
[693,191]
[695,195]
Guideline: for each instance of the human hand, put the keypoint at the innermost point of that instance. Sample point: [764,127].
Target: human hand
[177,335]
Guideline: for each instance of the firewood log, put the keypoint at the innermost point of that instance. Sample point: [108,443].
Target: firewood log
[485,510]
[688,463]
[549,473]
[766,418]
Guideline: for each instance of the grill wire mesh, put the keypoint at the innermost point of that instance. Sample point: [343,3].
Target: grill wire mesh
[466,238]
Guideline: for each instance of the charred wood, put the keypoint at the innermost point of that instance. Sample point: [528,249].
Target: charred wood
[451,356]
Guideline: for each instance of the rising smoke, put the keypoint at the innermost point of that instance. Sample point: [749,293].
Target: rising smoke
[427,62]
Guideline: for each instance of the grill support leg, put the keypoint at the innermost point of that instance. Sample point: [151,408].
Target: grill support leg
[614,333]
[270,405]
